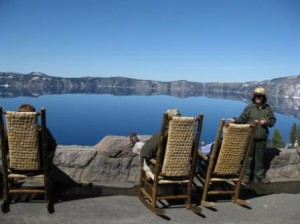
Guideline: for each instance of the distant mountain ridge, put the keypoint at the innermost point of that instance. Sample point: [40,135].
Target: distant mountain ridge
[283,93]
[36,83]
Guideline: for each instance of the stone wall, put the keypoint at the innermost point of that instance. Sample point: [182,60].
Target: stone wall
[283,164]
[111,160]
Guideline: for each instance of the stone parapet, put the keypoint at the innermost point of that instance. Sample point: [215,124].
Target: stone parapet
[111,160]
[282,164]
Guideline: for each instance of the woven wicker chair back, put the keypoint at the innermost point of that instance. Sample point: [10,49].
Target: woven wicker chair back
[181,134]
[23,140]
[232,152]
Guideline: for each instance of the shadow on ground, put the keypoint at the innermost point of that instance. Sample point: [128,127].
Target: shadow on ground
[65,189]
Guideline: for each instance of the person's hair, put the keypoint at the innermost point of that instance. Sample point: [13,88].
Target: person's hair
[173,112]
[264,98]
[26,108]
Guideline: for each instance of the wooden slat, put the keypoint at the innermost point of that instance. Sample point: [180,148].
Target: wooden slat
[220,192]
[167,197]
[26,191]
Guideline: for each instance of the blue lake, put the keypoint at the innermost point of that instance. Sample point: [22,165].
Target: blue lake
[84,119]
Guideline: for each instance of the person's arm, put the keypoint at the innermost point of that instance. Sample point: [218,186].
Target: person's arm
[243,118]
[270,119]
[51,142]
[149,150]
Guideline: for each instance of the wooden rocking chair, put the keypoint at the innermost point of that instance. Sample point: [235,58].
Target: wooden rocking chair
[174,165]
[228,160]
[24,155]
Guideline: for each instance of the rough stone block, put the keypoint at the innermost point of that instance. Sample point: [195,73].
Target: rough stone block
[111,160]
[74,156]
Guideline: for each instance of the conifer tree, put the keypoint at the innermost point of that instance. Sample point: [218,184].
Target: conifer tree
[277,139]
[293,134]
[298,134]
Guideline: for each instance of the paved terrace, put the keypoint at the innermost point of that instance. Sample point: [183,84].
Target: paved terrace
[82,193]
[274,203]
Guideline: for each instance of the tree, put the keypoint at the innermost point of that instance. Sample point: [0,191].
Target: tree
[293,134]
[277,139]
[298,134]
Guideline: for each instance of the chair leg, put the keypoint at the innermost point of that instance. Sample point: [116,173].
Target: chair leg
[193,208]
[188,204]
[6,200]
[235,199]
[237,190]
[207,204]
[5,207]
[142,197]
[241,202]
[49,199]
[153,209]
[154,194]
[204,202]
[49,190]
[50,207]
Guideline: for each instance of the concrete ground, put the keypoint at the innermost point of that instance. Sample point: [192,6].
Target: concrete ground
[107,204]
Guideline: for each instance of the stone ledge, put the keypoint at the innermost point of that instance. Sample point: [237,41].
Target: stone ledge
[118,166]
[111,161]
[282,164]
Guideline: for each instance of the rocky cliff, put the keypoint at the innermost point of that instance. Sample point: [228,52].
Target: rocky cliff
[35,84]
[283,93]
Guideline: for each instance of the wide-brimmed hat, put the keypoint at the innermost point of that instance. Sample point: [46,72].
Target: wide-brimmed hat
[173,112]
[259,91]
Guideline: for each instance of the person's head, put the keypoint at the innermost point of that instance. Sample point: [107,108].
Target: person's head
[259,96]
[173,112]
[26,108]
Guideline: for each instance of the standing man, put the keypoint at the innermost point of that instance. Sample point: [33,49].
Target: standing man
[263,113]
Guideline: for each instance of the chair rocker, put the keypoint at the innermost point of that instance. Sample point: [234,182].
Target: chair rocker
[24,156]
[227,161]
[174,164]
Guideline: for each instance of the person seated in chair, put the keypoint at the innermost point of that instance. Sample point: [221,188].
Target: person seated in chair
[207,149]
[51,142]
[149,149]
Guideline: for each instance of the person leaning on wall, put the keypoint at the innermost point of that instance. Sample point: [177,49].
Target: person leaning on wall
[51,142]
[263,113]
[148,150]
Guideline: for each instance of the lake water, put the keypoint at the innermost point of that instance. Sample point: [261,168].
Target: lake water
[84,119]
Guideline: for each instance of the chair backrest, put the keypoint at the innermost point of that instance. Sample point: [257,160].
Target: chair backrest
[179,147]
[235,143]
[23,141]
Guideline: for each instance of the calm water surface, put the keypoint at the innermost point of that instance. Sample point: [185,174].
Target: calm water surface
[85,119]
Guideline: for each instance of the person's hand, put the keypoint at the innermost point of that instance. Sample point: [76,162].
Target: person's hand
[230,120]
[263,121]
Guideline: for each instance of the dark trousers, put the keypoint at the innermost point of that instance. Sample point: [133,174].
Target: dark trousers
[255,164]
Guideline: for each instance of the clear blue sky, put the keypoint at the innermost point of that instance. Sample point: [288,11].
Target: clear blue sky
[212,40]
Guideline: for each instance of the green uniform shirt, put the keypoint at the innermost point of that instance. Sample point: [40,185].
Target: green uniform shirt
[149,150]
[253,112]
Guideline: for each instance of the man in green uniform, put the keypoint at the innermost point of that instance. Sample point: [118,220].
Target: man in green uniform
[263,113]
